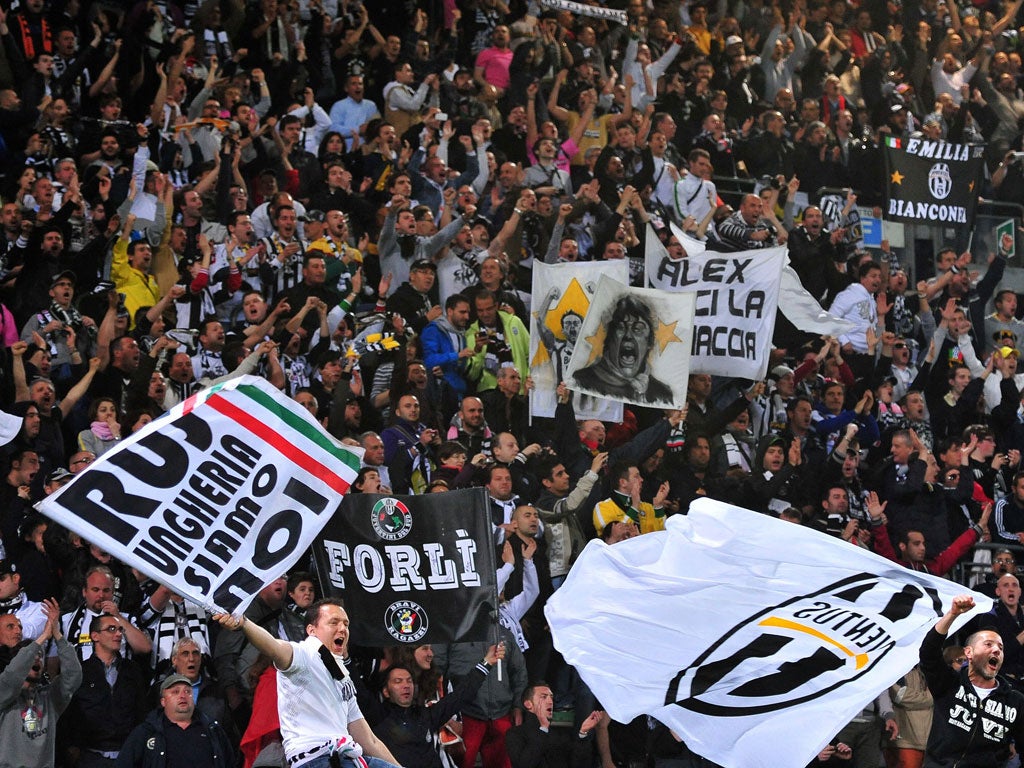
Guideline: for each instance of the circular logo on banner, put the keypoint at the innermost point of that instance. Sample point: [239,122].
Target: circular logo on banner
[940,181]
[406,621]
[391,519]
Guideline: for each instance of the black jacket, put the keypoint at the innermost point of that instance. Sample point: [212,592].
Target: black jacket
[146,746]
[530,747]
[411,733]
[966,731]
[100,716]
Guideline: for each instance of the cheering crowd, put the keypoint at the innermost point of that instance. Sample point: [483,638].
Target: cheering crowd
[348,199]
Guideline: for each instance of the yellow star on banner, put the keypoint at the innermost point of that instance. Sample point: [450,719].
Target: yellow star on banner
[665,335]
[896,177]
[596,343]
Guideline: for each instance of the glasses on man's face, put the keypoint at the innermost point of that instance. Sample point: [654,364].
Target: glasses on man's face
[84,460]
[1005,561]
[114,629]
[899,346]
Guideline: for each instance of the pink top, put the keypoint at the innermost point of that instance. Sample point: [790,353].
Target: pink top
[495,63]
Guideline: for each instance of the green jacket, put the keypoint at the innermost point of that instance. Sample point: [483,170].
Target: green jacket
[517,336]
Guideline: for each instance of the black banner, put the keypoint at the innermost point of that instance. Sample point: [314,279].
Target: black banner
[932,182]
[412,569]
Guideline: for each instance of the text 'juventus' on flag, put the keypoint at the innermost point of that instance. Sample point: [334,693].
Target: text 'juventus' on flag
[753,639]
[215,499]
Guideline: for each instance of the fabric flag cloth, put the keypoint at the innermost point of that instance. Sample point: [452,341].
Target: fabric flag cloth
[932,182]
[804,311]
[736,296]
[634,346]
[10,426]
[753,639]
[796,303]
[412,569]
[562,294]
[215,499]
[582,9]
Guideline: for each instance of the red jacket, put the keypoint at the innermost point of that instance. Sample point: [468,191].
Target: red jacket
[938,566]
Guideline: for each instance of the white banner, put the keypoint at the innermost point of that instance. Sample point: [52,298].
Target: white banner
[561,297]
[736,297]
[799,307]
[804,311]
[634,346]
[580,9]
[753,639]
[217,498]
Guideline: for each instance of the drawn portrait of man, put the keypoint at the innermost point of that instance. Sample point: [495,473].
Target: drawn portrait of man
[623,370]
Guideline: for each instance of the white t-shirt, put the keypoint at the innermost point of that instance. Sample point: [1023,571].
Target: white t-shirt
[313,707]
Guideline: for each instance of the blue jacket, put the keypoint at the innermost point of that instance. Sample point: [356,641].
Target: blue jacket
[438,349]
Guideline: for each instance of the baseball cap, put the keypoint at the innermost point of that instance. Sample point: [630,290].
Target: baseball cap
[58,475]
[67,274]
[733,40]
[172,680]
[7,568]
[1008,351]
[781,370]
[421,264]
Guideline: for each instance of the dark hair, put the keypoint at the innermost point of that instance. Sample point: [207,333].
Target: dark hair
[386,677]
[298,577]
[630,306]
[313,612]
[528,693]
[454,300]
[620,470]
[865,269]
[96,625]
[451,448]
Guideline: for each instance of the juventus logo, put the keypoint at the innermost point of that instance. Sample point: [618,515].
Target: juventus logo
[802,649]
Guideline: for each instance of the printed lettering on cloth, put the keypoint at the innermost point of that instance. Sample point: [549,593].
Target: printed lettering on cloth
[562,295]
[634,346]
[761,639]
[931,182]
[412,569]
[216,499]
[735,295]
[796,303]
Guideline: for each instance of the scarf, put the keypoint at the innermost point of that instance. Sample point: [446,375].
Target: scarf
[102,430]
[13,604]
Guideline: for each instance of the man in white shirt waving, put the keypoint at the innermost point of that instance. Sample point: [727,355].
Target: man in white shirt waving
[316,698]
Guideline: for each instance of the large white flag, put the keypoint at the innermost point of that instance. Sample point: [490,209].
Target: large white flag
[736,298]
[753,639]
[561,297]
[215,499]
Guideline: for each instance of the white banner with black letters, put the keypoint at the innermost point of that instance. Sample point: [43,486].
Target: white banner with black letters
[736,298]
[755,657]
[217,498]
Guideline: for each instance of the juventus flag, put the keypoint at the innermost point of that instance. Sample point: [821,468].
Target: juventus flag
[753,639]
[932,182]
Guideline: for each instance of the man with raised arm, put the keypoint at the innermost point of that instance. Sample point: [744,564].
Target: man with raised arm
[316,698]
[977,712]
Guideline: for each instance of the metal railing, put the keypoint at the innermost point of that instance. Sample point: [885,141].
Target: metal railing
[966,572]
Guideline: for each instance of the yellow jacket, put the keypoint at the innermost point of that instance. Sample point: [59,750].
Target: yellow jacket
[139,289]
